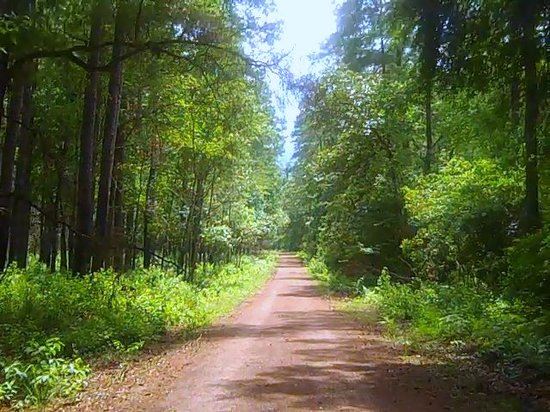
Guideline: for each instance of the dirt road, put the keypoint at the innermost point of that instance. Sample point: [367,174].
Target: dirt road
[288,350]
[285,349]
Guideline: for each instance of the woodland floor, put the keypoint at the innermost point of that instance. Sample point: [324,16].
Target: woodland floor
[286,349]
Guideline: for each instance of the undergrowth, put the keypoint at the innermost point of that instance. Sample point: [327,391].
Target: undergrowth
[50,323]
[462,317]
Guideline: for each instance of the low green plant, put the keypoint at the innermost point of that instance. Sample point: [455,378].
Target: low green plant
[49,322]
[463,317]
[332,280]
[42,376]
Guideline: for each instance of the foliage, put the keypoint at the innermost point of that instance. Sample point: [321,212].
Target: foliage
[355,207]
[333,281]
[461,318]
[466,317]
[49,320]
[529,273]
[464,218]
[422,155]
[43,376]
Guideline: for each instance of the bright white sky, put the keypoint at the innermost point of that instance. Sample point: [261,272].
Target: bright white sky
[306,24]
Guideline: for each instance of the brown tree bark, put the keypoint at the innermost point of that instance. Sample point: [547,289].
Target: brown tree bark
[20,223]
[149,211]
[8,165]
[5,8]
[84,215]
[48,234]
[118,213]
[531,219]
[108,147]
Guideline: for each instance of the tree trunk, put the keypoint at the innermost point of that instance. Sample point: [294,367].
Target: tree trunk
[148,212]
[84,215]
[131,240]
[118,217]
[20,225]
[429,137]
[5,8]
[108,148]
[63,248]
[48,238]
[195,233]
[429,32]
[531,219]
[8,165]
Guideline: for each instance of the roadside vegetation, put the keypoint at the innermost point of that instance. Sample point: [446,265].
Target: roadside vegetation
[54,323]
[461,318]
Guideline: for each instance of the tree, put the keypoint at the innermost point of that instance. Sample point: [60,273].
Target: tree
[84,210]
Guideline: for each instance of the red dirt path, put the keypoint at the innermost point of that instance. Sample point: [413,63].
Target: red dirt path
[285,350]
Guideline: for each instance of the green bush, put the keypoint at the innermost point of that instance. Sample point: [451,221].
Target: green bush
[465,217]
[48,321]
[529,269]
[43,376]
[464,316]
[334,281]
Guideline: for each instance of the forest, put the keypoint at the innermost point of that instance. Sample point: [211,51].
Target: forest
[141,188]
[422,175]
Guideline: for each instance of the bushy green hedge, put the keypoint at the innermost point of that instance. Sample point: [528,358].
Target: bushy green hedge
[465,217]
[466,316]
[48,322]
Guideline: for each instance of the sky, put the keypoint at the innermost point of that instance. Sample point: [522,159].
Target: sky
[305,26]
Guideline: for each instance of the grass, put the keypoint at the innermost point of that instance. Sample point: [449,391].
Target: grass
[461,318]
[52,324]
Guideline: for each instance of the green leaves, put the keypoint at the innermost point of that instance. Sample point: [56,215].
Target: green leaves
[42,376]
[463,215]
[49,320]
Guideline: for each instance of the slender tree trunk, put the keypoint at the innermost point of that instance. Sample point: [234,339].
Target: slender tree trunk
[84,215]
[20,229]
[4,59]
[7,168]
[108,148]
[531,214]
[48,238]
[63,248]
[195,235]
[131,231]
[429,32]
[54,237]
[149,211]
[429,137]
[118,215]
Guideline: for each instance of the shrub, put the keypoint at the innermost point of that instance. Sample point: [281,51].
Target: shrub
[464,316]
[43,376]
[465,217]
[334,281]
[529,273]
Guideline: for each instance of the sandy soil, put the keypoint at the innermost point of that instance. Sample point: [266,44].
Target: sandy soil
[286,349]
